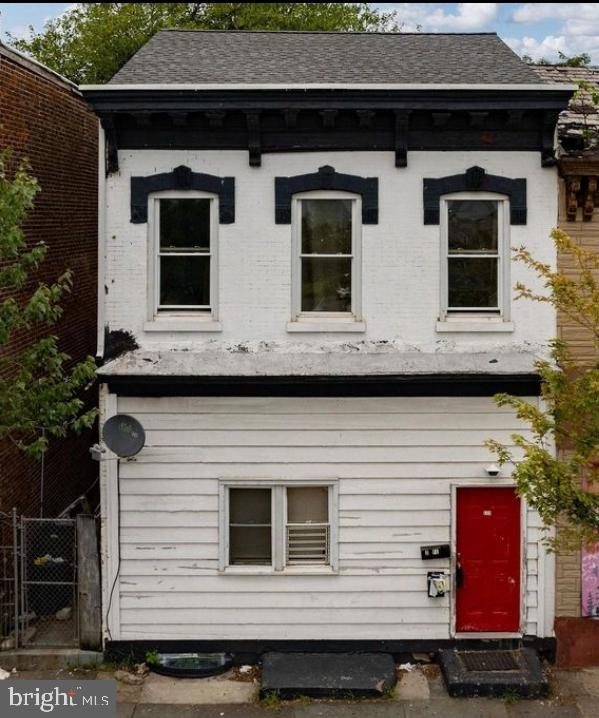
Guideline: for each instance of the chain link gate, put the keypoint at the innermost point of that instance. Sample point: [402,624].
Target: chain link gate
[48,568]
[9,581]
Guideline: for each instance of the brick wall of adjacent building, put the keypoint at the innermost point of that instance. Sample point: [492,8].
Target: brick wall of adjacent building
[44,118]
[586,233]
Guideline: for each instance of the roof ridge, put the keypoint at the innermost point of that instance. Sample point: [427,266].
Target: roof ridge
[316,32]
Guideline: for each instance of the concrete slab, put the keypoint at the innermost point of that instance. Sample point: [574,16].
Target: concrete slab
[543,709]
[51,675]
[412,686]
[37,659]
[370,358]
[334,675]
[456,708]
[364,709]
[211,711]
[569,682]
[588,706]
[590,682]
[436,686]
[196,691]
[124,693]
[125,710]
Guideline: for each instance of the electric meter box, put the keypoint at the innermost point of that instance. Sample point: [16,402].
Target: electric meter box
[428,553]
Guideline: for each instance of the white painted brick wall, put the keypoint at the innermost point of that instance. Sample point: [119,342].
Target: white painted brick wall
[400,254]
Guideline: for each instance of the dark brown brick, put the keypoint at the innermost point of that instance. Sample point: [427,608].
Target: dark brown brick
[47,121]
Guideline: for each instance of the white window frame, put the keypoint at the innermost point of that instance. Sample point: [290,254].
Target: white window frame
[278,526]
[155,314]
[471,317]
[329,321]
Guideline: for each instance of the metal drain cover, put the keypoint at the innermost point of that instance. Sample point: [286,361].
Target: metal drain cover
[489,661]
[492,673]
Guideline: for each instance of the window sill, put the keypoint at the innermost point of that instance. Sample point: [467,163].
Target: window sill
[474,325]
[326,325]
[289,571]
[190,324]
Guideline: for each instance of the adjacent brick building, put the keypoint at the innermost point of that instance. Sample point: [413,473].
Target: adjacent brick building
[44,118]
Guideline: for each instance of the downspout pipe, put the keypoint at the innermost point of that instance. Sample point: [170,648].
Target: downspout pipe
[101,313]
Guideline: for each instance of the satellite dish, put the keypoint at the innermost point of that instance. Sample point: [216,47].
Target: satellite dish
[124,435]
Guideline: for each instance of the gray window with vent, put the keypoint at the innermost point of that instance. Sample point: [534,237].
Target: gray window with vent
[278,526]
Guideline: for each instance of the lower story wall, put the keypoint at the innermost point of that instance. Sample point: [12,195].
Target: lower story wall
[394,462]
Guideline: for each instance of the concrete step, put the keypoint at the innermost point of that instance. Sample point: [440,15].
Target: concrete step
[331,675]
[495,673]
[48,659]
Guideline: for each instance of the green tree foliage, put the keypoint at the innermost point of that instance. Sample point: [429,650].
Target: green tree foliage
[582,60]
[557,486]
[91,41]
[39,387]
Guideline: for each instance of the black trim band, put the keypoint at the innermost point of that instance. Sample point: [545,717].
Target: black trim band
[474,179]
[327,178]
[334,386]
[250,651]
[221,98]
[182,178]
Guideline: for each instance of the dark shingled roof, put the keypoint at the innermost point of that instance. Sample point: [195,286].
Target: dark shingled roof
[214,57]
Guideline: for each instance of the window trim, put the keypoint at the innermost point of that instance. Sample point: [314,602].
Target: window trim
[178,317]
[319,321]
[477,319]
[278,523]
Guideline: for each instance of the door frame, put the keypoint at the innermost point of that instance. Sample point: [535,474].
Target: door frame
[489,484]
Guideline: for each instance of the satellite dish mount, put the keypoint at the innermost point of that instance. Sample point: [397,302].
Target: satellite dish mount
[124,435]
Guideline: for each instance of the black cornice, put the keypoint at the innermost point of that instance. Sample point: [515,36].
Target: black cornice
[265,121]
[151,100]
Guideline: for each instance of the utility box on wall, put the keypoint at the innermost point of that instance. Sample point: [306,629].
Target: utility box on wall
[437,584]
[428,553]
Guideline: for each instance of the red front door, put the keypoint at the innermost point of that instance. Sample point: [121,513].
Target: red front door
[488,560]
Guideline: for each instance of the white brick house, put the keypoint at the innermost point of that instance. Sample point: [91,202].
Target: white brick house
[307,238]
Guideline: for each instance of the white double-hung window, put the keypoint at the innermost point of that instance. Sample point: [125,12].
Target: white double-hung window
[326,267]
[183,272]
[475,257]
[276,526]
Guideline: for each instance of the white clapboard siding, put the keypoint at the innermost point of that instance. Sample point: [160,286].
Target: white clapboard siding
[288,631]
[290,600]
[345,405]
[395,460]
[462,470]
[318,454]
[316,421]
[322,438]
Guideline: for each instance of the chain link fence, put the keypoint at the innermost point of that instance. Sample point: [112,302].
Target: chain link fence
[48,566]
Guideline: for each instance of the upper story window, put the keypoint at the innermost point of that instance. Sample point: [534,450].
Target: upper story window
[327,237]
[184,237]
[475,259]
